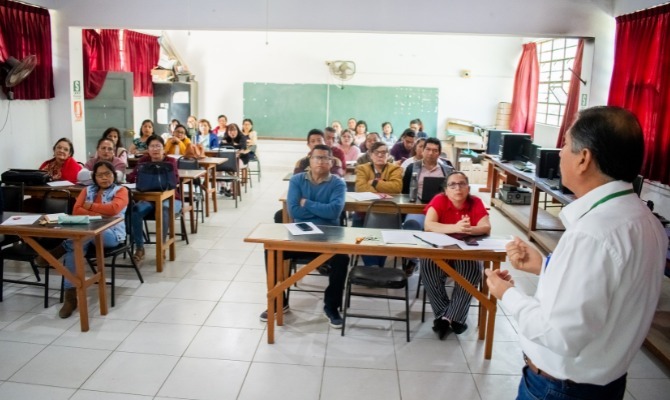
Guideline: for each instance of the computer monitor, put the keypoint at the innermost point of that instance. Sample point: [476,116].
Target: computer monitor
[547,163]
[513,146]
[493,140]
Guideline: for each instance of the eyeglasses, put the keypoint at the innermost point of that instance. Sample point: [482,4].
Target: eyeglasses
[380,153]
[104,174]
[455,185]
[156,147]
[320,159]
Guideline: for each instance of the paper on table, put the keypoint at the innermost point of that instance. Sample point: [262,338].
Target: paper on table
[53,218]
[486,244]
[436,239]
[129,185]
[60,183]
[398,237]
[22,219]
[294,230]
[364,196]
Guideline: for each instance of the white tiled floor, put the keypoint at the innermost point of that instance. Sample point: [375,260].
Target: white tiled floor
[192,332]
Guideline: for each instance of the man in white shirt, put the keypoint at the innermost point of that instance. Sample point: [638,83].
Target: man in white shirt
[597,293]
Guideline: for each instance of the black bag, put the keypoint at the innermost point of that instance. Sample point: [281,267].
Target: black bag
[29,177]
[155,177]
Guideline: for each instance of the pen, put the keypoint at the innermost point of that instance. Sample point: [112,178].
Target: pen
[425,241]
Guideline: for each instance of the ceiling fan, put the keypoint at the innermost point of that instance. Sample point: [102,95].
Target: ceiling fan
[13,72]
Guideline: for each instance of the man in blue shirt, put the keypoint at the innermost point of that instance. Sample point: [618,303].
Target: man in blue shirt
[318,196]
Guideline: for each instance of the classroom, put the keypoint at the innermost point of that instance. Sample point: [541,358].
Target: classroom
[191,330]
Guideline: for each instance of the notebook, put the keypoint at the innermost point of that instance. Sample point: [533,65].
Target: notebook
[432,185]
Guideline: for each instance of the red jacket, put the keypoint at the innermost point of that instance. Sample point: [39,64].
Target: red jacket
[68,171]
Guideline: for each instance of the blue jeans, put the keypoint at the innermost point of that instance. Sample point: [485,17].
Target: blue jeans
[141,210]
[108,239]
[534,386]
[357,220]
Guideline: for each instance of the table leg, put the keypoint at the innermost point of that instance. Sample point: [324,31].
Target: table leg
[483,311]
[280,276]
[102,281]
[171,239]
[159,235]
[208,190]
[534,205]
[214,202]
[82,300]
[271,299]
[489,179]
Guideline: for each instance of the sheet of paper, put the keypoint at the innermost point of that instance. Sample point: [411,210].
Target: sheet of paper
[22,219]
[486,244]
[363,196]
[60,183]
[294,230]
[437,239]
[129,185]
[398,237]
[53,218]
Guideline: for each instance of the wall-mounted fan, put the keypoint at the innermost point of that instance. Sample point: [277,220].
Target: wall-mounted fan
[13,72]
[342,70]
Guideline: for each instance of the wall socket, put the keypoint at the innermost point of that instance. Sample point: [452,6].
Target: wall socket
[465,73]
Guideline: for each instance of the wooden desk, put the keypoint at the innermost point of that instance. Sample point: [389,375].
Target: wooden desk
[39,191]
[210,163]
[341,240]
[78,234]
[402,200]
[186,177]
[157,198]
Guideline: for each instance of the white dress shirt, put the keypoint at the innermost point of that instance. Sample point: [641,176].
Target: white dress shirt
[596,298]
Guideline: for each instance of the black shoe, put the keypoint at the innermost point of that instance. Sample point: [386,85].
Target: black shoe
[442,328]
[334,317]
[324,269]
[409,267]
[222,190]
[458,327]
[228,193]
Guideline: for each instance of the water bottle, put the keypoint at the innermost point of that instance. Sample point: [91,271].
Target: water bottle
[414,187]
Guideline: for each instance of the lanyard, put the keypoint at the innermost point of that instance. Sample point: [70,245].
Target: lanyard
[608,198]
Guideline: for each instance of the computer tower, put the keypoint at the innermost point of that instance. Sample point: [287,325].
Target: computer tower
[547,163]
[493,140]
[513,146]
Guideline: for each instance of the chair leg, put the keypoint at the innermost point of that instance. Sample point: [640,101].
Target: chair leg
[184,233]
[407,309]
[2,277]
[46,287]
[423,307]
[347,302]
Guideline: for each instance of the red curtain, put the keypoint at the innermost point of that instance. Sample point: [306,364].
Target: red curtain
[524,100]
[641,82]
[26,30]
[142,52]
[110,58]
[572,104]
[94,73]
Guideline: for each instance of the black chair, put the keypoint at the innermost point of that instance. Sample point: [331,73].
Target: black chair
[382,214]
[191,163]
[124,249]
[54,201]
[11,199]
[253,158]
[229,172]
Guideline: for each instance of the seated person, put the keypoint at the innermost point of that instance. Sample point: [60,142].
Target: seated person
[372,137]
[191,126]
[330,135]
[235,138]
[252,136]
[205,135]
[178,143]
[416,154]
[106,198]
[387,134]
[379,176]
[63,166]
[401,150]
[120,151]
[139,145]
[316,137]
[455,212]
[360,133]
[105,152]
[317,196]
[366,157]
[417,127]
[141,209]
[350,150]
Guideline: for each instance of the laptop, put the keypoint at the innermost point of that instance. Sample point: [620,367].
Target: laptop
[432,185]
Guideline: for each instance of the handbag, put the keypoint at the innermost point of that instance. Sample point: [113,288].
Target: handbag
[28,177]
[155,177]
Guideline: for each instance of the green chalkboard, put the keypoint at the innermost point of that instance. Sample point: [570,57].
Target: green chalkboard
[291,110]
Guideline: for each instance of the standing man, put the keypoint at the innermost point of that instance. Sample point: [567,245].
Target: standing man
[597,293]
[318,196]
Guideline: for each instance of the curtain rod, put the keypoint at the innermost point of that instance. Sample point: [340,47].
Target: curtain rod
[27,4]
[645,9]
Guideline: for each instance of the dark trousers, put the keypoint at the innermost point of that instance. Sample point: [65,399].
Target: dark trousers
[534,386]
[338,274]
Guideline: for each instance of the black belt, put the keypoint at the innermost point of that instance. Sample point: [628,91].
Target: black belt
[538,371]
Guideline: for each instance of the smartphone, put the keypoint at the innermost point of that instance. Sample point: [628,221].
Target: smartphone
[471,241]
[304,226]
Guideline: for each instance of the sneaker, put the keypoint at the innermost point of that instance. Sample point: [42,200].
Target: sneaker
[333,317]
[264,314]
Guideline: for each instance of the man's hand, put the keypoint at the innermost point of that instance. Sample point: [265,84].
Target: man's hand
[498,282]
[302,202]
[524,257]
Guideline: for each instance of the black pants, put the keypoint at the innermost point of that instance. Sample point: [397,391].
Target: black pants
[338,274]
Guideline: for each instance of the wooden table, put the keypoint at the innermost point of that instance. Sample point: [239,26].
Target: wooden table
[350,204]
[186,177]
[210,163]
[78,234]
[157,198]
[342,240]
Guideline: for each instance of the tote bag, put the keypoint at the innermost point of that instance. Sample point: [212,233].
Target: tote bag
[155,177]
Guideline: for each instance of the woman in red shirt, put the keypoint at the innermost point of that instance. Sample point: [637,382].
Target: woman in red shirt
[62,167]
[453,212]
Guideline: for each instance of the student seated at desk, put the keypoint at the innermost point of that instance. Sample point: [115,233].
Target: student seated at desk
[106,198]
[141,209]
[351,151]
[330,135]
[403,147]
[387,134]
[178,143]
[316,137]
[454,211]
[317,196]
[119,150]
[235,138]
[63,166]
[360,133]
[105,152]
[379,176]
[139,145]
[252,136]
[373,137]
[206,137]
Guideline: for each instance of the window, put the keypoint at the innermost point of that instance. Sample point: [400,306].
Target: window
[556,56]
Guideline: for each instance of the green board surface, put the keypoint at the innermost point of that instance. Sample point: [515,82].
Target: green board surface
[291,110]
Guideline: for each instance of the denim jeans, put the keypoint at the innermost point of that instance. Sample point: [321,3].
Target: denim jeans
[141,210]
[357,220]
[108,239]
[534,386]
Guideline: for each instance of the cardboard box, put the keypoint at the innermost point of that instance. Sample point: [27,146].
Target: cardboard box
[162,75]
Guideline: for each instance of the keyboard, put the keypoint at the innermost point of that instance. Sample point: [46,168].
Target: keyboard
[522,166]
[552,183]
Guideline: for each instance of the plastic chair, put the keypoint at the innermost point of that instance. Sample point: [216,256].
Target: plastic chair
[229,172]
[382,214]
[253,158]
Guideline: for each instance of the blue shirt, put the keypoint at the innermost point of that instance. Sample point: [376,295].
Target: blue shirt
[325,201]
